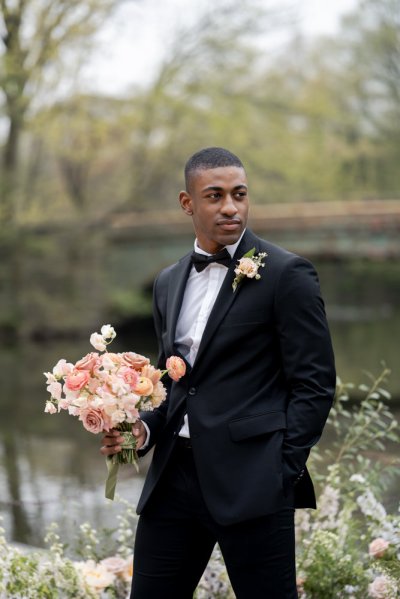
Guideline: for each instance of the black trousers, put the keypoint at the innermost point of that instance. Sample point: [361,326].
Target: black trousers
[176,535]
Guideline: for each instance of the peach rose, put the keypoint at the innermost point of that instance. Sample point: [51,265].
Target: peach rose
[127,573]
[135,361]
[378,547]
[247,267]
[88,362]
[144,386]
[151,373]
[115,564]
[76,380]
[92,420]
[176,367]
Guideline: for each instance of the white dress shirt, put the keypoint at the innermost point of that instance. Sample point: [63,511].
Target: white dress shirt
[201,292]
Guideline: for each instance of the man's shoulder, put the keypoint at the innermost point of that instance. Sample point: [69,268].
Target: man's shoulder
[277,254]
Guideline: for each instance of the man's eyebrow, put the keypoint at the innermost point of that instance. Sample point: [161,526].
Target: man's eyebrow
[217,188]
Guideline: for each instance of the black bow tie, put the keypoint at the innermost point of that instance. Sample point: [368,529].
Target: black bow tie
[200,261]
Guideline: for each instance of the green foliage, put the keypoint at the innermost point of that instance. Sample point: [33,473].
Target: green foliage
[349,548]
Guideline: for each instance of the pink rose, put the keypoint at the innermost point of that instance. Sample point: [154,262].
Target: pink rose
[378,547]
[381,588]
[144,386]
[92,420]
[88,362]
[130,376]
[135,361]
[77,380]
[176,368]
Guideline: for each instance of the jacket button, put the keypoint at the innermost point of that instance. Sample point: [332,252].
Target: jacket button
[192,391]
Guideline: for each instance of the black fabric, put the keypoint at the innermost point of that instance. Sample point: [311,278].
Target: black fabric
[200,261]
[176,535]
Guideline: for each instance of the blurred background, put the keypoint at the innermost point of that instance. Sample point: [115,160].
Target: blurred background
[101,103]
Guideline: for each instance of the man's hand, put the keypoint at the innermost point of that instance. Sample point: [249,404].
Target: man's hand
[111,441]
[139,431]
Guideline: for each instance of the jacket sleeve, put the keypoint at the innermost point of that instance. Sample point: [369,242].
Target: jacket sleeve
[307,360]
[156,419]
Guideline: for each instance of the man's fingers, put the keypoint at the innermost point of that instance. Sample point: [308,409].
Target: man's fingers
[111,442]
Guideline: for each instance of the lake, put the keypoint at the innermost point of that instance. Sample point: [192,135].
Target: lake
[51,469]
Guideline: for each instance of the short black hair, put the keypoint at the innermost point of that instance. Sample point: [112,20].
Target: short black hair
[209,158]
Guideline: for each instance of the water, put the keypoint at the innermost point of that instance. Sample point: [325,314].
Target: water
[51,469]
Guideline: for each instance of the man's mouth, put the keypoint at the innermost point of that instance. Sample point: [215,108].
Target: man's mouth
[229,224]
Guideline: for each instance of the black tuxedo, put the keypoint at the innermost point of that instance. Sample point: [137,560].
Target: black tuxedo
[257,397]
[260,389]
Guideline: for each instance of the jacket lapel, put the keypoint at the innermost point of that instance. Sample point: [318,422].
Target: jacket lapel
[176,290]
[226,296]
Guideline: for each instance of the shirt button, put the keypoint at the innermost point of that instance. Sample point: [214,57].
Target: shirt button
[192,391]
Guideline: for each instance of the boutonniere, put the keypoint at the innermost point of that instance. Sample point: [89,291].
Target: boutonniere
[248,267]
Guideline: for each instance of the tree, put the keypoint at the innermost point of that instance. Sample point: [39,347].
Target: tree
[37,37]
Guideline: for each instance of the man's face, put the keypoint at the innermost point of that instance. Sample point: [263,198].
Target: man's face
[218,202]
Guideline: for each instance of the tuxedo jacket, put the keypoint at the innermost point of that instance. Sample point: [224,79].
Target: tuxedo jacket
[260,389]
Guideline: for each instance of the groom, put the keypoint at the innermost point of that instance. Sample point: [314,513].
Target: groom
[233,437]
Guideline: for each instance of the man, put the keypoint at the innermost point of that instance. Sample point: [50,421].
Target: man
[232,439]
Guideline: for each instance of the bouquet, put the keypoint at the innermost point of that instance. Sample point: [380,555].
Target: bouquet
[107,391]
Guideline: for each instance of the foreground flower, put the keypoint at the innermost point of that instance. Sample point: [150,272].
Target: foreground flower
[378,547]
[382,587]
[96,576]
[248,267]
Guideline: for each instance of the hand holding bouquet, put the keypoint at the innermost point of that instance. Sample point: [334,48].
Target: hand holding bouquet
[107,390]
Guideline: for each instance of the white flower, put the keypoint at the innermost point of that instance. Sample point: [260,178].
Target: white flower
[108,332]
[50,408]
[357,478]
[62,368]
[55,390]
[98,341]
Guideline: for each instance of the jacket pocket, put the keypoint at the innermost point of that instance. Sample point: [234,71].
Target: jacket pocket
[252,426]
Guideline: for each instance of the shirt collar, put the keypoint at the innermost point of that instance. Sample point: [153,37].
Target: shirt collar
[231,248]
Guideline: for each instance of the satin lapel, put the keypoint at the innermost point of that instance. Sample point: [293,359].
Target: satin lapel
[226,296]
[176,290]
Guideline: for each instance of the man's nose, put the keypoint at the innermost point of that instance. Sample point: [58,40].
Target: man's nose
[229,206]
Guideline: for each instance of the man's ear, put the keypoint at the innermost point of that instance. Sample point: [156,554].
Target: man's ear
[186,203]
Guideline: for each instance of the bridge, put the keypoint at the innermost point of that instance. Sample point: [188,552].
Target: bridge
[335,230]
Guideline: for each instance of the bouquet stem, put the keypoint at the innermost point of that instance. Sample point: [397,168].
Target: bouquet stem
[127,455]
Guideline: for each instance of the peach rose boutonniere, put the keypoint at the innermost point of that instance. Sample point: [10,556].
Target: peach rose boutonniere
[248,267]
